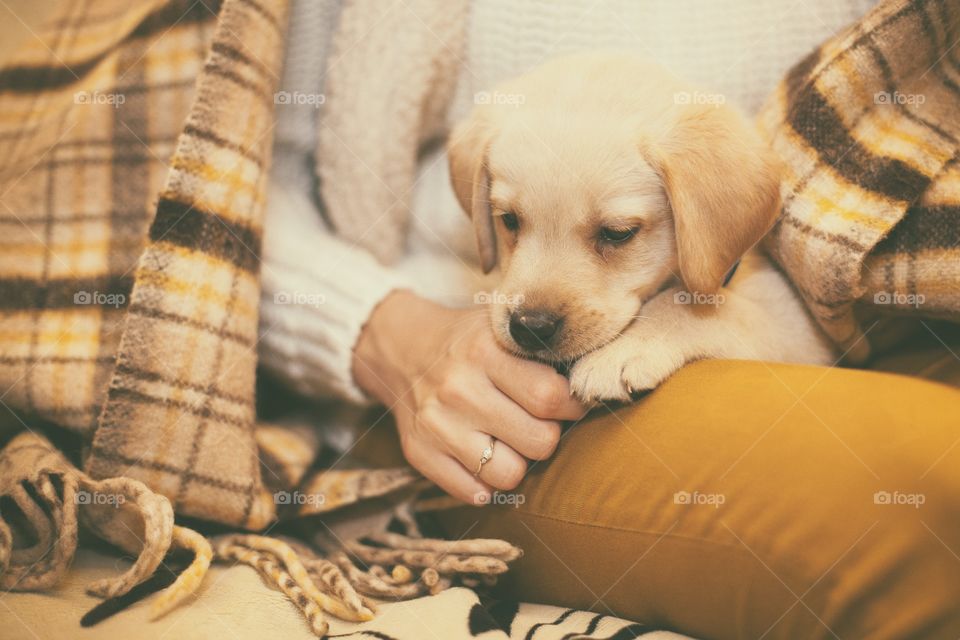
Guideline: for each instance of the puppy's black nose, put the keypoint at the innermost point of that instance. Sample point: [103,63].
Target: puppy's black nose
[535,329]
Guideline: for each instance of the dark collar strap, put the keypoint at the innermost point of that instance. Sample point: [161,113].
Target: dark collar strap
[729,276]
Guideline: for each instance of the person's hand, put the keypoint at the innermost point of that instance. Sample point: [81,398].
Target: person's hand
[451,387]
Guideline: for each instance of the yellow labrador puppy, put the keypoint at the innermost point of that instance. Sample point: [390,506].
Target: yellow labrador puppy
[616,200]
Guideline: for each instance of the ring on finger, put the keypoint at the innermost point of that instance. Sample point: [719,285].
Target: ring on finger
[485,456]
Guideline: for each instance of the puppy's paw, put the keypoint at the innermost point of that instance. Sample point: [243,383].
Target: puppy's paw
[624,367]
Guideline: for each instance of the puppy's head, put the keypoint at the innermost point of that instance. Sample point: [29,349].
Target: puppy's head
[593,183]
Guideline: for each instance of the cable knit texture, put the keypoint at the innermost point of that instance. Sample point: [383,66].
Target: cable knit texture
[385,90]
[396,78]
[312,312]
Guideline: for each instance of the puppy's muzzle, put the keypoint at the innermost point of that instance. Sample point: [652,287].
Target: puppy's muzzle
[534,329]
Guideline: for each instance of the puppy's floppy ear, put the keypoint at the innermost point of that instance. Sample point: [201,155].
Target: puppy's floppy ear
[723,184]
[467,152]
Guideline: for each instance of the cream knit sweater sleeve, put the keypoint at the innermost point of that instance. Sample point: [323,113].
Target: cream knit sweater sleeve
[317,293]
[317,289]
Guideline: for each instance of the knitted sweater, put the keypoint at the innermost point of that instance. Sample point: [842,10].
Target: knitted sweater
[319,285]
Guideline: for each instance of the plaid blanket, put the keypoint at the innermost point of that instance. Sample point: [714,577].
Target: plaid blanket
[868,128]
[132,206]
[135,141]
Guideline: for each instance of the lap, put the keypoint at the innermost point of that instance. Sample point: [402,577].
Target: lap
[746,498]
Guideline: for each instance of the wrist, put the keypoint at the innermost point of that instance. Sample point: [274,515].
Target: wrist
[388,355]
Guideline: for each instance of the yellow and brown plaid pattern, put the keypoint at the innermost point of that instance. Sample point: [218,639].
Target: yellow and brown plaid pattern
[134,139]
[180,413]
[868,127]
[83,150]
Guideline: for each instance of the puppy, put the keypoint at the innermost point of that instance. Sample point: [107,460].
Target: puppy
[616,202]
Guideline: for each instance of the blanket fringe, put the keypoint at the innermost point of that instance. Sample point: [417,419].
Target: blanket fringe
[190,579]
[342,584]
[153,539]
[52,498]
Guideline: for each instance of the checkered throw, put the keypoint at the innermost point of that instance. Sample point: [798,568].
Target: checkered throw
[868,126]
[135,142]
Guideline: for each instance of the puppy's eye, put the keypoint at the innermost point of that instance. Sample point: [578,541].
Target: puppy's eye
[613,235]
[510,221]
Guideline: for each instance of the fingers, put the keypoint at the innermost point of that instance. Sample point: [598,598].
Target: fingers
[453,434]
[529,436]
[504,470]
[472,400]
[448,474]
[536,387]
[482,392]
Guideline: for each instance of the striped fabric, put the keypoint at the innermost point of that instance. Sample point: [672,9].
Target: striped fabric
[128,316]
[868,127]
[458,614]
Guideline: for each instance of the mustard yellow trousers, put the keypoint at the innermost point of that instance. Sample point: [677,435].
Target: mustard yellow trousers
[750,500]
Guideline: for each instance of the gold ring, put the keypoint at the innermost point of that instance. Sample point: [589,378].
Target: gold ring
[485,456]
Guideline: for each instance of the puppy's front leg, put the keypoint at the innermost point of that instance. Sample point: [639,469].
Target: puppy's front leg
[660,341]
[759,318]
